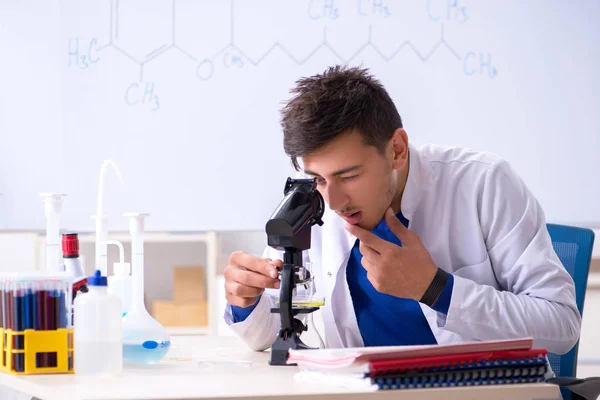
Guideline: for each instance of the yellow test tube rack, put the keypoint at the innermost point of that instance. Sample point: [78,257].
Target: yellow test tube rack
[36,335]
[43,352]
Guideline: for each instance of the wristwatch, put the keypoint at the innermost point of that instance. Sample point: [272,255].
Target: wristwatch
[435,289]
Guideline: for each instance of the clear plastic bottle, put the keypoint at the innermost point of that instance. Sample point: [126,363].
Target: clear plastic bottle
[98,330]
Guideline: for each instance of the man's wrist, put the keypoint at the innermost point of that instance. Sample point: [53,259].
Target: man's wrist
[435,289]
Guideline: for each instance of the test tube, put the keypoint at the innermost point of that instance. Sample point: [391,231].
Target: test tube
[19,316]
[3,299]
[50,304]
[30,307]
[10,317]
[3,317]
[39,306]
[2,320]
[66,302]
[43,359]
[27,294]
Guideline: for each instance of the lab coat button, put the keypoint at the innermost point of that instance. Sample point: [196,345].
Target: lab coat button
[329,274]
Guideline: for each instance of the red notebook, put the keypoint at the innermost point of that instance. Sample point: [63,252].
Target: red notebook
[450,361]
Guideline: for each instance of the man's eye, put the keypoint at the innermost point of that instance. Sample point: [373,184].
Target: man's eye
[349,178]
[320,181]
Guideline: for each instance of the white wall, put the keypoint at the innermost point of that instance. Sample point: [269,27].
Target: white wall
[539,103]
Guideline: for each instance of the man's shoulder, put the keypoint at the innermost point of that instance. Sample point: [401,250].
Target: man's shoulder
[435,153]
[454,157]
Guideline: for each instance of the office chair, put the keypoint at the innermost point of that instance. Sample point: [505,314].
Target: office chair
[573,246]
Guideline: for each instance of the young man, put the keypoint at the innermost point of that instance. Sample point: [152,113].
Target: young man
[419,246]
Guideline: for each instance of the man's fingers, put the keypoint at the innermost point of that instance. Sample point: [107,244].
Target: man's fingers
[250,278]
[253,279]
[367,264]
[396,226]
[368,252]
[239,290]
[259,265]
[247,276]
[367,238]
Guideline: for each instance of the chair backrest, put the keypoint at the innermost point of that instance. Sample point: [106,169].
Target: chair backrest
[573,246]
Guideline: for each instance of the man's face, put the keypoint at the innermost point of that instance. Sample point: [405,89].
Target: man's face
[356,181]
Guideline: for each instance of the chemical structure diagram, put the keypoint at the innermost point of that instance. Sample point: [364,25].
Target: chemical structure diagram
[85,54]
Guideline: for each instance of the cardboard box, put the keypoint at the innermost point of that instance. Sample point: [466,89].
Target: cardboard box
[189,284]
[172,313]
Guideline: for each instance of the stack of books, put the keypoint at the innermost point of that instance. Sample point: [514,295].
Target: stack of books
[407,367]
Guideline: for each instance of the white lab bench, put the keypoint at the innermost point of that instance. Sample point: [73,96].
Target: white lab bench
[225,369]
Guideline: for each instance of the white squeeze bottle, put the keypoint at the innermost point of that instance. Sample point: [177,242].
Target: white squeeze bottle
[98,330]
[120,283]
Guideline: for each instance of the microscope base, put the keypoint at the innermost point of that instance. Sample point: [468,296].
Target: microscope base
[279,349]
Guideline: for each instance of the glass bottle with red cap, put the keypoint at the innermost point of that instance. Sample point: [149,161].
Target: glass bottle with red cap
[72,263]
[70,249]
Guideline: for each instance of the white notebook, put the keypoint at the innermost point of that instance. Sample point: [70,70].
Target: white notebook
[346,357]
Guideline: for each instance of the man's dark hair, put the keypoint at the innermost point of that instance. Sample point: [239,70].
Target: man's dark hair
[341,100]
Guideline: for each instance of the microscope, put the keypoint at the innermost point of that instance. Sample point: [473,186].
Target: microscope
[289,229]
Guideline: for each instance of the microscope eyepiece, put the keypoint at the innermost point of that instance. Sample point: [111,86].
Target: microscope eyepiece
[301,208]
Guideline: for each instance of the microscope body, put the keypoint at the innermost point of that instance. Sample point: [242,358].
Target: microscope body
[289,229]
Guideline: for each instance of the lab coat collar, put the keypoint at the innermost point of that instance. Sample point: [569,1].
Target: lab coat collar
[417,183]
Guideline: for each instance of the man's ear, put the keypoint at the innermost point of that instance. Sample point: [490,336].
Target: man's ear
[399,144]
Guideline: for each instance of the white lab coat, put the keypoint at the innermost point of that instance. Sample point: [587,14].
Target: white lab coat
[479,222]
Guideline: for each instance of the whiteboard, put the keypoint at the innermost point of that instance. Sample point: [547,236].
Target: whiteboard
[185,96]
